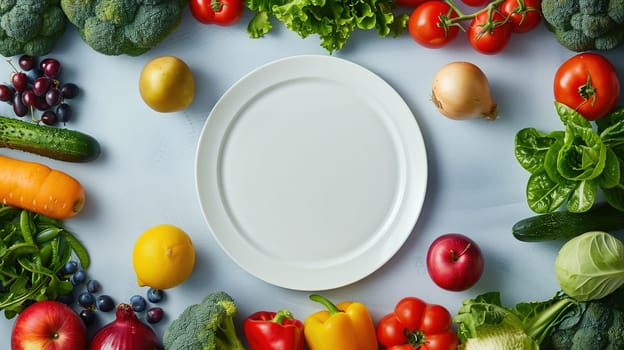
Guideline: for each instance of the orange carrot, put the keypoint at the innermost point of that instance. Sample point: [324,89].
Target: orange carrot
[40,189]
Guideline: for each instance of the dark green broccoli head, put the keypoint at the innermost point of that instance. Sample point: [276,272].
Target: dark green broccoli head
[131,27]
[30,27]
[582,25]
[205,326]
[596,325]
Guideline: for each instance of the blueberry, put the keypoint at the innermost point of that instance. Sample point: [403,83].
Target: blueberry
[69,268]
[67,299]
[86,300]
[154,315]
[138,303]
[155,295]
[105,303]
[93,286]
[88,316]
[79,277]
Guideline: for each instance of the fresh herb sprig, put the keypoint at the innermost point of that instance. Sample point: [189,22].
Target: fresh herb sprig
[33,251]
[570,166]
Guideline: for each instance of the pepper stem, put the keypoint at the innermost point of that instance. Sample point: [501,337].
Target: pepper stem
[281,315]
[331,307]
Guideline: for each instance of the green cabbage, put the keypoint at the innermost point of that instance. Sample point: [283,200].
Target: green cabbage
[590,266]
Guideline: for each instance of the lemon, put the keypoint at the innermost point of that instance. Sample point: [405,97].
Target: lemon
[166,84]
[163,257]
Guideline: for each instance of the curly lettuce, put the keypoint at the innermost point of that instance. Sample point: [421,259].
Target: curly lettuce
[332,20]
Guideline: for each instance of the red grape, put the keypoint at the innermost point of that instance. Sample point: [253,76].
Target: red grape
[69,90]
[6,93]
[28,98]
[18,106]
[19,80]
[41,85]
[48,117]
[50,67]
[53,96]
[26,62]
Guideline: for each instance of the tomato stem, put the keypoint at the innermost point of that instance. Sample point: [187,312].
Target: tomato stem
[415,338]
[446,21]
[216,5]
[587,91]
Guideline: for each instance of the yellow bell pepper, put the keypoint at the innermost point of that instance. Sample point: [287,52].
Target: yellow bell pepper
[346,326]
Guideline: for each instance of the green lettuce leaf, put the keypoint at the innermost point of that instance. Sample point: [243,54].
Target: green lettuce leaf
[332,20]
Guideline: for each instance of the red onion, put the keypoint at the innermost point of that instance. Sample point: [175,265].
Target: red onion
[126,332]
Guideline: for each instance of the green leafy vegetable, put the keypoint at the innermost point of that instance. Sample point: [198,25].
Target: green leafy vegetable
[332,20]
[33,250]
[571,166]
[593,325]
[590,266]
[484,323]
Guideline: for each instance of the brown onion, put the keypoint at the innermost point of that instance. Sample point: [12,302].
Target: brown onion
[126,332]
[461,90]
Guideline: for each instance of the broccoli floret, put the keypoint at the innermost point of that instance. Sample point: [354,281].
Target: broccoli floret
[205,326]
[582,25]
[598,326]
[30,27]
[116,27]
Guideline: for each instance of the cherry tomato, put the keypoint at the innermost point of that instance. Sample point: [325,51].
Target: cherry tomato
[587,82]
[489,35]
[427,24]
[525,15]
[220,12]
[415,324]
[476,3]
[409,3]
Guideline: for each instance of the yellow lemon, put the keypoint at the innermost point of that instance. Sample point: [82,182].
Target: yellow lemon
[163,257]
[166,84]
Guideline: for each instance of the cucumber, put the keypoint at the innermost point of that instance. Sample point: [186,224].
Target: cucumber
[52,142]
[565,224]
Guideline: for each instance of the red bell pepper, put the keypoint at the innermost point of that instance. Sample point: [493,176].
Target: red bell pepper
[415,324]
[267,330]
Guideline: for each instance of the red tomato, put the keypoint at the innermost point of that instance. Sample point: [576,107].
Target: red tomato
[220,12]
[414,324]
[525,15]
[428,24]
[409,3]
[476,3]
[588,82]
[489,36]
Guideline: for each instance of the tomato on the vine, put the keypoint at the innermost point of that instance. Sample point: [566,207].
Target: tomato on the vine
[415,324]
[428,24]
[587,82]
[409,3]
[525,15]
[489,35]
[220,12]
[476,3]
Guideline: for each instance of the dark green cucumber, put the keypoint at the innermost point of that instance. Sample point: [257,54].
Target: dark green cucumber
[57,143]
[565,224]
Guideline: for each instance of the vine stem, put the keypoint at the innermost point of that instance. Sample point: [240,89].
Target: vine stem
[446,21]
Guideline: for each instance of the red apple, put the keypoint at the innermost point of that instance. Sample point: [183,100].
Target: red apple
[454,262]
[49,325]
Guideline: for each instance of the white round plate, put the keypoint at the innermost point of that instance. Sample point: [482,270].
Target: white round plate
[311,172]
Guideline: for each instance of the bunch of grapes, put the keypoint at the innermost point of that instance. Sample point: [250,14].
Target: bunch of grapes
[36,86]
